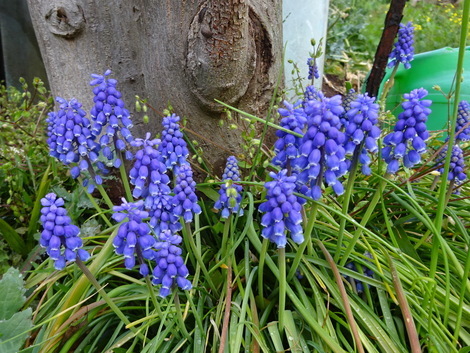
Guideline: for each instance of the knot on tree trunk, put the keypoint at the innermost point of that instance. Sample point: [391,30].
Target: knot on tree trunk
[221,57]
[65,19]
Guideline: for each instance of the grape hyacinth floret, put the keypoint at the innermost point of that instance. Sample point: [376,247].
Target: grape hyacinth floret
[133,237]
[312,69]
[457,164]
[311,93]
[281,210]
[361,129]
[170,269]
[321,153]
[173,148]
[403,50]
[59,236]
[407,141]
[230,192]
[287,145]
[147,162]
[71,141]
[109,112]
[185,199]
[463,121]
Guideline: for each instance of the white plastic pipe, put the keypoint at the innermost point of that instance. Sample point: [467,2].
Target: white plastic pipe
[303,20]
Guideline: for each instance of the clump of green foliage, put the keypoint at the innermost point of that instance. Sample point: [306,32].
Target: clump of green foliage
[24,157]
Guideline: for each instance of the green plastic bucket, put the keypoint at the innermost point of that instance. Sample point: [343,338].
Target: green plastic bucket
[427,70]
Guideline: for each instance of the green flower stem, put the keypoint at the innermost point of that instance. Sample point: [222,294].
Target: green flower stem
[108,300]
[98,209]
[442,201]
[151,289]
[197,253]
[252,117]
[227,227]
[388,85]
[347,199]
[105,196]
[179,315]
[124,178]
[307,241]
[441,205]
[262,258]
[365,219]
[282,286]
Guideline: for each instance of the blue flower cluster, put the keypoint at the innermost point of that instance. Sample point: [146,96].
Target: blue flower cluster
[59,236]
[287,145]
[457,164]
[173,148]
[312,69]
[170,268]
[147,170]
[463,121]
[72,136]
[230,193]
[109,112]
[133,237]
[361,129]
[407,141]
[281,210]
[403,50]
[311,93]
[71,141]
[148,174]
[321,152]
[185,199]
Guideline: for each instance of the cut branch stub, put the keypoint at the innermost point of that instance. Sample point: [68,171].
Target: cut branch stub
[65,19]
[221,56]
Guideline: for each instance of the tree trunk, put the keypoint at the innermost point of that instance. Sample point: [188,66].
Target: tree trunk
[181,53]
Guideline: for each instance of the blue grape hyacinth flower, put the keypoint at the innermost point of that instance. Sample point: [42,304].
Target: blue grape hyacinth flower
[361,129]
[72,142]
[311,93]
[133,238]
[457,164]
[407,141]
[109,113]
[281,210]
[463,121]
[185,199]
[230,193]
[321,152]
[59,236]
[403,51]
[313,71]
[347,99]
[173,147]
[147,168]
[287,145]
[170,269]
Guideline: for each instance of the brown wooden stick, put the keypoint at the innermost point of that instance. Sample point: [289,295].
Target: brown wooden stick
[392,23]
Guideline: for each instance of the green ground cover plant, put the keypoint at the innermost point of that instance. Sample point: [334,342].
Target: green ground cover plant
[348,235]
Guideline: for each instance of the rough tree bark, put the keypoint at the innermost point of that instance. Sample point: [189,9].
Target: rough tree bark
[184,53]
